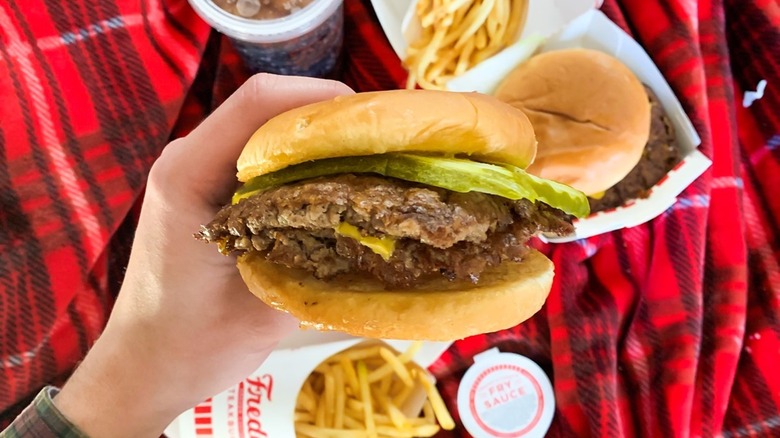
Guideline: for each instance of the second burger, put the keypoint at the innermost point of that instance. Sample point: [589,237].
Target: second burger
[600,129]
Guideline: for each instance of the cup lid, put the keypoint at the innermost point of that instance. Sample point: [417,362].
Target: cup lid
[505,395]
[265,31]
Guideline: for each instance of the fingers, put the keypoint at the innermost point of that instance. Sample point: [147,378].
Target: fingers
[204,162]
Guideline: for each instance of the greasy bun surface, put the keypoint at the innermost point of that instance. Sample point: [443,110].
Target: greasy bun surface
[439,310]
[590,113]
[391,121]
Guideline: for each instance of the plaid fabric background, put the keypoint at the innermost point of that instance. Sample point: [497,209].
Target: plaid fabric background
[667,329]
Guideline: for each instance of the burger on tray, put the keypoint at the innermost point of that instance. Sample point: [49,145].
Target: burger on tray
[600,130]
[400,215]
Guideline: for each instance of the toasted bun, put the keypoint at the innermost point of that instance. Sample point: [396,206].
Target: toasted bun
[391,121]
[439,310]
[590,113]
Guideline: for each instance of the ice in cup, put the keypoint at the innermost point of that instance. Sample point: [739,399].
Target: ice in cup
[289,37]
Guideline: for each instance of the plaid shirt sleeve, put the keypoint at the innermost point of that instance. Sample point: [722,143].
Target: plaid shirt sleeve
[41,419]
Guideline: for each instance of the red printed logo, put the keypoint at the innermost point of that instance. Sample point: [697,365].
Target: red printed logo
[506,401]
[249,398]
[203,419]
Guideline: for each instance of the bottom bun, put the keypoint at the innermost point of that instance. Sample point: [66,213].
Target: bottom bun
[439,310]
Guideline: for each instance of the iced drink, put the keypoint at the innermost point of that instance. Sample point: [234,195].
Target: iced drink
[290,37]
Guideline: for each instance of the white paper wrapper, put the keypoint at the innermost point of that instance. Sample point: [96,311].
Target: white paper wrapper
[559,24]
[595,31]
[263,405]
[545,17]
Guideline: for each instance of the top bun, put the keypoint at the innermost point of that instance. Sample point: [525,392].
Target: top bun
[590,113]
[438,122]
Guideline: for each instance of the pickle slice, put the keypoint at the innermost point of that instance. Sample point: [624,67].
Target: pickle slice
[555,194]
[456,174]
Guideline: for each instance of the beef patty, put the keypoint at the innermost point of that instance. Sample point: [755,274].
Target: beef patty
[436,231]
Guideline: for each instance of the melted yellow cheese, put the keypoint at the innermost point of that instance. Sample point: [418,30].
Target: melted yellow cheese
[384,246]
[598,195]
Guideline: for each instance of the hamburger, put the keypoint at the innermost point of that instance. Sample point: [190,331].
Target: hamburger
[600,130]
[398,214]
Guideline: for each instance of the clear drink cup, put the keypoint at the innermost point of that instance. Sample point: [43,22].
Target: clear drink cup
[306,42]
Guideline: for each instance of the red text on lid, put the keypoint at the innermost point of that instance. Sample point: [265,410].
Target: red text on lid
[499,385]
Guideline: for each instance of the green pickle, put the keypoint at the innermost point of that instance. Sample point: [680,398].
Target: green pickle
[456,174]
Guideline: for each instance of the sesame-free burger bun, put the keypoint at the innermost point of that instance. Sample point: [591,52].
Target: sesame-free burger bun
[590,113]
[425,122]
[438,310]
[467,124]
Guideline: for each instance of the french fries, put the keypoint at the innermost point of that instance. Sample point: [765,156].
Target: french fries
[459,34]
[361,392]
[439,408]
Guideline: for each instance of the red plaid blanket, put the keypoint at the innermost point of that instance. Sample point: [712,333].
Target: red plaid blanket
[670,328]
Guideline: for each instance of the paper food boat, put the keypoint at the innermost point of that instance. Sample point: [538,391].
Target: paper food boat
[560,24]
[263,405]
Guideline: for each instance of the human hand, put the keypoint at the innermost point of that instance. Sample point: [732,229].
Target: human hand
[184,326]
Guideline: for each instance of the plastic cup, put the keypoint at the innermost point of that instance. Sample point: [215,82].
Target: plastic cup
[305,43]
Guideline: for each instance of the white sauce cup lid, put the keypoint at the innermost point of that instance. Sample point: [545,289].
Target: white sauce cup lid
[505,395]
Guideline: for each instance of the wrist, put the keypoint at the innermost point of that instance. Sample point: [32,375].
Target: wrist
[115,394]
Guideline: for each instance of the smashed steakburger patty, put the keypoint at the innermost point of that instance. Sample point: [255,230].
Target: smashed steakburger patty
[424,230]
